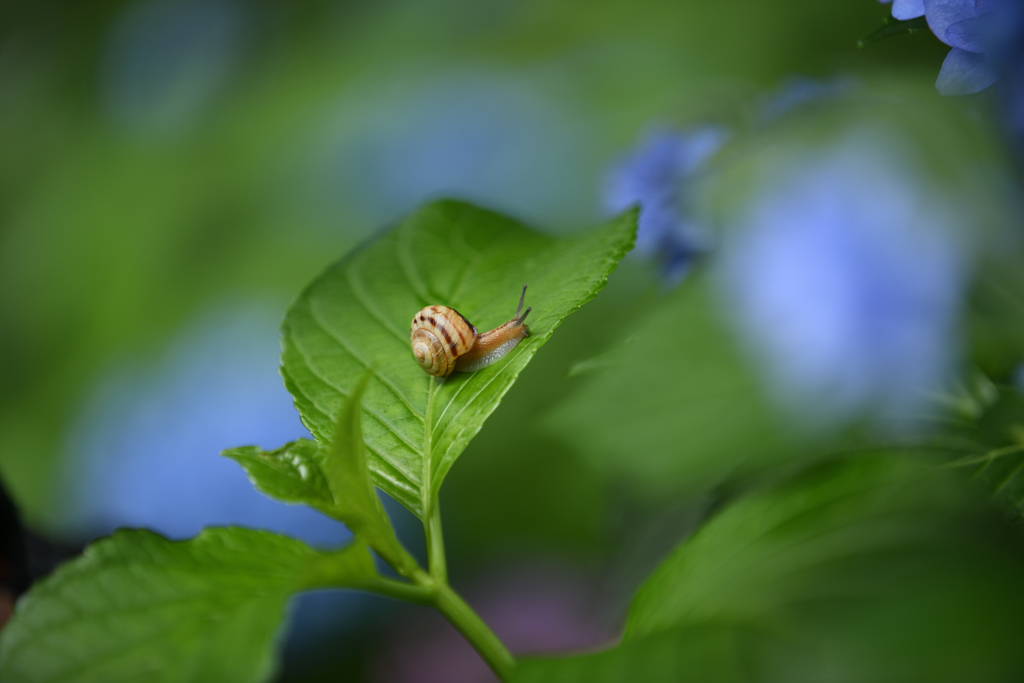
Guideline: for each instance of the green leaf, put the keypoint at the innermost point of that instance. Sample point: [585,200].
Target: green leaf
[357,315]
[848,560]
[873,568]
[678,409]
[993,434]
[138,607]
[333,479]
[290,474]
[354,497]
[774,549]
[708,653]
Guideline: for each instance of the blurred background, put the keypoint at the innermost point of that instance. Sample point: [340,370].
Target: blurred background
[834,244]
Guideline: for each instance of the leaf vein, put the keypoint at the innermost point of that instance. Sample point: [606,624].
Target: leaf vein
[354,279]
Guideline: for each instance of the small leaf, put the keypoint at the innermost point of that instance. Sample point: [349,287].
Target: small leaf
[893,27]
[333,479]
[345,466]
[138,607]
[357,316]
[355,500]
[290,474]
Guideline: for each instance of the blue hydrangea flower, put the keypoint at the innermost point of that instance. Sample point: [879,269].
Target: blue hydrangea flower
[844,278]
[796,92]
[977,30]
[144,451]
[655,176]
[905,9]
[166,62]
[488,135]
[1007,57]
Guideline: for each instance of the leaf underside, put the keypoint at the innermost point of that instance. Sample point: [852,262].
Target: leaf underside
[291,473]
[356,316]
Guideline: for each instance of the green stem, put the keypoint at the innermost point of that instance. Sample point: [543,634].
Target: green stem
[455,609]
[472,627]
[435,546]
[441,596]
[399,590]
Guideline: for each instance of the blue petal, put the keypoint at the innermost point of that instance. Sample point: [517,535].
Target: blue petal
[964,73]
[654,176]
[982,6]
[907,9]
[967,34]
[942,14]
[844,277]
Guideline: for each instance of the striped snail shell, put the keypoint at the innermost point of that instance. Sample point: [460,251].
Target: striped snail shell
[443,340]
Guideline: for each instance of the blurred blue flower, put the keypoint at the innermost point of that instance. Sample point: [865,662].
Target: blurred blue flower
[845,281]
[499,138]
[798,91]
[1007,56]
[144,451]
[166,61]
[656,175]
[979,31]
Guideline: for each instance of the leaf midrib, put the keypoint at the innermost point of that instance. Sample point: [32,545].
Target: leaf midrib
[407,265]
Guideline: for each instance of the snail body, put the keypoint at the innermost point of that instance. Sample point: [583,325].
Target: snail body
[443,341]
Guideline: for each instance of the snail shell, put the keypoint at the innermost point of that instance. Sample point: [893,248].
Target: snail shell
[443,341]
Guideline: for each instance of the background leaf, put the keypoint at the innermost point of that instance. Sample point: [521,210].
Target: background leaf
[989,442]
[995,313]
[136,607]
[688,411]
[873,568]
[357,315]
[704,654]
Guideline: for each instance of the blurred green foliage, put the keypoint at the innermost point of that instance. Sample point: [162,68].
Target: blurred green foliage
[678,410]
[868,568]
[112,237]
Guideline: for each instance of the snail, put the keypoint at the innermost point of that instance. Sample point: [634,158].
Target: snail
[444,341]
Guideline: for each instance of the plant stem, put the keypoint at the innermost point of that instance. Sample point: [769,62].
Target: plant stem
[475,631]
[446,601]
[435,545]
[455,609]
[399,590]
